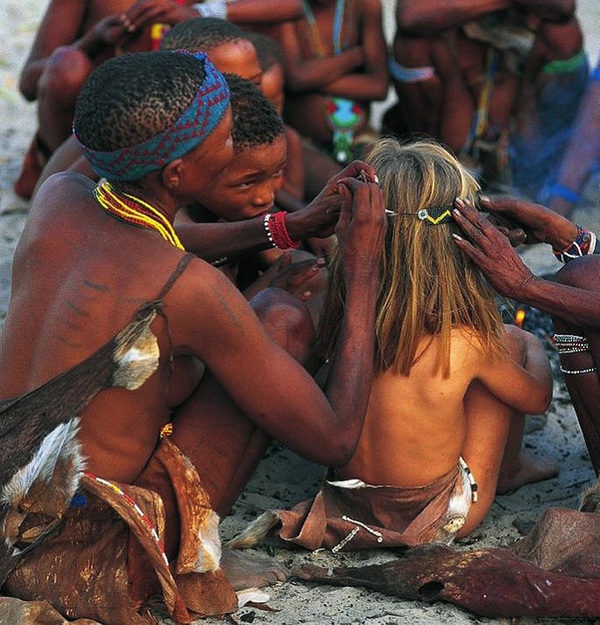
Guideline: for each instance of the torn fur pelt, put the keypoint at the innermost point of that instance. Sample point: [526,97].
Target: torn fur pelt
[41,457]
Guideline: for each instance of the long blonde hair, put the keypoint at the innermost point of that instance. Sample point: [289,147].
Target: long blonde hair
[428,287]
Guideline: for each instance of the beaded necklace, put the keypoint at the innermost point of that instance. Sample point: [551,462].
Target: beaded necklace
[317,43]
[133,210]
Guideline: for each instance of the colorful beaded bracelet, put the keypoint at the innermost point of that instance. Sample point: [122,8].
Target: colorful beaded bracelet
[584,244]
[277,232]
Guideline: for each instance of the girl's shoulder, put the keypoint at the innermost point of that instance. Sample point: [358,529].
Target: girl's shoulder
[467,337]
[511,345]
[469,347]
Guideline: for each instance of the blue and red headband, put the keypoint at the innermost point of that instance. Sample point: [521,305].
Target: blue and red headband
[195,124]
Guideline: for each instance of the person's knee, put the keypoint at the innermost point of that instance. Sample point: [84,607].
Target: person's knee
[66,71]
[286,320]
[581,273]
[475,518]
[561,40]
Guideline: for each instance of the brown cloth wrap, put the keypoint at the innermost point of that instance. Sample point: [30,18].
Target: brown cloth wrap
[347,519]
[103,563]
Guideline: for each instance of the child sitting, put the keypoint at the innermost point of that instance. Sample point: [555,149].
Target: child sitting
[445,419]
[270,57]
[297,187]
[499,83]
[227,46]
[247,189]
[335,66]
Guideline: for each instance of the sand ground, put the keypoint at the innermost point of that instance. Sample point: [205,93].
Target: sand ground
[284,478]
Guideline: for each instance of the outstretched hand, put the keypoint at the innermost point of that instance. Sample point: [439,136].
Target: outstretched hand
[320,217]
[525,222]
[491,251]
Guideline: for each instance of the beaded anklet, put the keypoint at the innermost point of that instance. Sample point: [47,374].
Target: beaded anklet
[277,233]
[584,244]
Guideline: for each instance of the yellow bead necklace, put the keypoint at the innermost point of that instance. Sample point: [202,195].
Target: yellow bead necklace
[135,211]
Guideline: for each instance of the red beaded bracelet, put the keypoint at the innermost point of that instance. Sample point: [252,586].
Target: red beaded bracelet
[277,231]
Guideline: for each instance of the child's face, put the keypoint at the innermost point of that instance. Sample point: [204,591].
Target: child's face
[272,86]
[248,185]
[239,58]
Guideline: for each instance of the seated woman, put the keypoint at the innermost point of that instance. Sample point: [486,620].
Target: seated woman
[444,426]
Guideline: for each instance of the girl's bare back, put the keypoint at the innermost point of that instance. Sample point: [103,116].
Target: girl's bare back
[415,425]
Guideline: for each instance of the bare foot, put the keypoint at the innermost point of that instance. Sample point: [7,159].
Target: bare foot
[528,471]
[249,570]
[33,164]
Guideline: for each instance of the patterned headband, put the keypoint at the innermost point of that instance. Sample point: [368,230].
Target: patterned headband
[197,122]
[432,216]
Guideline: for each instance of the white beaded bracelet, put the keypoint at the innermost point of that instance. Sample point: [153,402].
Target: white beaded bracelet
[578,371]
[214,8]
[267,227]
